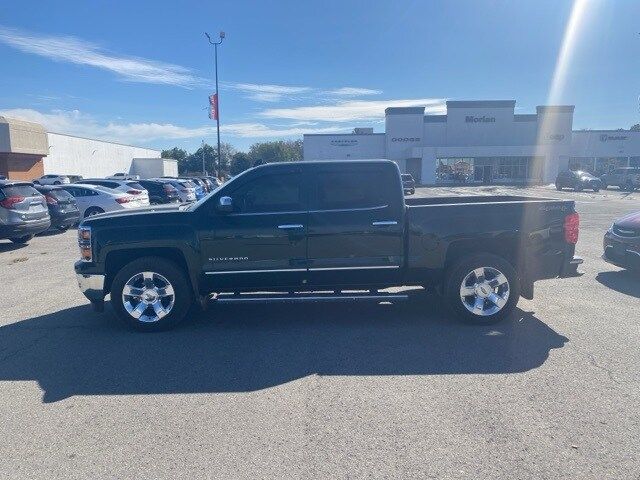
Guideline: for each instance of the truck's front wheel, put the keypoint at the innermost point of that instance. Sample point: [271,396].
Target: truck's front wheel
[151,294]
[482,288]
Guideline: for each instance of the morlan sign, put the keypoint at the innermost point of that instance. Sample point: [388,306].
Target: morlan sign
[482,119]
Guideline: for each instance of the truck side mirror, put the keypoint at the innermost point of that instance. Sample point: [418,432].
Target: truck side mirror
[225,205]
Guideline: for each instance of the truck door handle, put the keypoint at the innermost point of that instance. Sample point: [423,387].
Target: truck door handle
[384,223]
[291,226]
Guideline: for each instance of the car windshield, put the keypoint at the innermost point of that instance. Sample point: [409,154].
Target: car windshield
[135,185]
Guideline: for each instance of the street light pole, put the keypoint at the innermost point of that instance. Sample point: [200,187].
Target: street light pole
[204,172]
[215,47]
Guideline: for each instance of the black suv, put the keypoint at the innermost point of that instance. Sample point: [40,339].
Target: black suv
[160,192]
[63,208]
[578,180]
[408,184]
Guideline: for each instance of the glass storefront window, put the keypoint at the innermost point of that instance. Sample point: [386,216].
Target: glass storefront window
[454,170]
[485,169]
[586,164]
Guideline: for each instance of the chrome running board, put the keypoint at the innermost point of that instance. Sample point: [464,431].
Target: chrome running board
[308,297]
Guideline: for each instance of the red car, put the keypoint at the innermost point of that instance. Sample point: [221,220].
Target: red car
[622,242]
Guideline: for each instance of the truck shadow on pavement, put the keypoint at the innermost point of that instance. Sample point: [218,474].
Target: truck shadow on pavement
[244,348]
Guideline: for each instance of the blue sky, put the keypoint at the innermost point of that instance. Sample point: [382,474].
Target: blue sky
[139,72]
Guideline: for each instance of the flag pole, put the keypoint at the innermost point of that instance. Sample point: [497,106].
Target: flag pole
[215,46]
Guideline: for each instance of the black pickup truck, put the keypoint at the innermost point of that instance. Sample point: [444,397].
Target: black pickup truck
[324,231]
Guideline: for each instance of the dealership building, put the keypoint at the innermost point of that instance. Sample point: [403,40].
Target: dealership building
[482,142]
[28,151]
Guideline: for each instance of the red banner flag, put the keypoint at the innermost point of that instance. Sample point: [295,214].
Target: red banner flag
[213,106]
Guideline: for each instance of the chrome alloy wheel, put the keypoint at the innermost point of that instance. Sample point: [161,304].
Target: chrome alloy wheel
[484,291]
[148,297]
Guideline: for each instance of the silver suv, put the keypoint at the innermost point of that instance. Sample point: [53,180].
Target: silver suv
[626,178]
[23,211]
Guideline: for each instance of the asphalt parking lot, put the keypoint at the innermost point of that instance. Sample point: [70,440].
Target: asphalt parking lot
[340,390]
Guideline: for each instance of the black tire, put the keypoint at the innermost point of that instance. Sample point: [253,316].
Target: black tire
[558,187]
[577,188]
[457,273]
[183,295]
[89,212]
[63,228]
[629,186]
[596,190]
[21,240]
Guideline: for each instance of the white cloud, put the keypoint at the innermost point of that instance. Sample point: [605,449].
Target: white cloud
[267,92]
[81,52]
[74,122]
[260,130]
[352,110]
[353,92]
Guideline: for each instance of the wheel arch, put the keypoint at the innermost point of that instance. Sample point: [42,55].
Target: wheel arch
[116,259]
[506,246]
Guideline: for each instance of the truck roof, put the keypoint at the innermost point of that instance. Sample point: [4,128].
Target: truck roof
[327,162]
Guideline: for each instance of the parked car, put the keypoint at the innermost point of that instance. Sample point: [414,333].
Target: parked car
[408,184]
[198,189]
[215,181]
[186,190]
[625,178]
[52,180]
[131,187]
[203,182]
[23,211]
[160,192]
[63,208]
[74,178]
[261,232]
[94,199]
[622,242]
[578,180]
[124,176]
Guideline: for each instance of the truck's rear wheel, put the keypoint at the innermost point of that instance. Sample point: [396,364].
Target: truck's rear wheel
[482,288]
[151,294]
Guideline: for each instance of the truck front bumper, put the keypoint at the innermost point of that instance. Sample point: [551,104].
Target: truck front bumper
[91,286]
[90,282]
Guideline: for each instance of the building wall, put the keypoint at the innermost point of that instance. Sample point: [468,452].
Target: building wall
[18,166]
[91,158]
[344,147]
[490,131]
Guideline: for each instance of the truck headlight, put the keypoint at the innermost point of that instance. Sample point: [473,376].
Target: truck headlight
[84,242]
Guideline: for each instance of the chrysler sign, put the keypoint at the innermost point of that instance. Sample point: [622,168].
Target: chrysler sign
[482,119]
[344,143]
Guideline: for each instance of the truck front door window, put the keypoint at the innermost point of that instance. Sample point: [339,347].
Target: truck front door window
[271,193]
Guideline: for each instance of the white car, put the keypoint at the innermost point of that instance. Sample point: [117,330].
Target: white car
[52,180]
[124,176]
[94,199]
[140,194]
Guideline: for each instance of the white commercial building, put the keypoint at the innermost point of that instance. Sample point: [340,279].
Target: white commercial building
[482,142]
[27,151]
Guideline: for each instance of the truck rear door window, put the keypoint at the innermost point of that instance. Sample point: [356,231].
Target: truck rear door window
[345,190]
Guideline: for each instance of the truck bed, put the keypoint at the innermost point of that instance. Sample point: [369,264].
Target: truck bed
[475,199]
[527,229]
